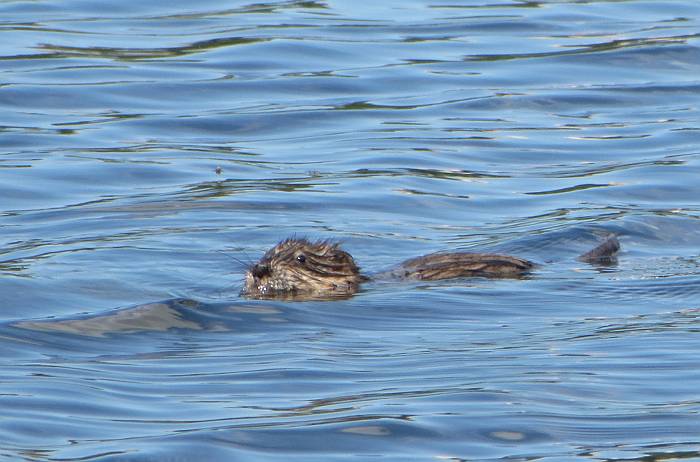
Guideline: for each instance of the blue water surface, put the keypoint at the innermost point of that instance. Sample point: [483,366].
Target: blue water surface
[149,151]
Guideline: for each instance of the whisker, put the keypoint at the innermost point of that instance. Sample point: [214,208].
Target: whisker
[242,263]
[251,261]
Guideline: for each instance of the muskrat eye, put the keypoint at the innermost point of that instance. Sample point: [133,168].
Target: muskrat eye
[301,258]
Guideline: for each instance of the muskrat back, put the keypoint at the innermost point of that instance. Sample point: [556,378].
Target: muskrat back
[437,266]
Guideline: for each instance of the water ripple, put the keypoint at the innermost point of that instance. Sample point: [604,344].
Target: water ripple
[151,152]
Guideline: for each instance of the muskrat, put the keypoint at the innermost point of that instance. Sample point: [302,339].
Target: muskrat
[299,269]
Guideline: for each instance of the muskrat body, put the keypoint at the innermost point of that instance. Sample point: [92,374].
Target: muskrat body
[299,269]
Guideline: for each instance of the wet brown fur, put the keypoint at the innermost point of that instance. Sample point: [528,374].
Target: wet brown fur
[299,269]
[302,269]
[438,266]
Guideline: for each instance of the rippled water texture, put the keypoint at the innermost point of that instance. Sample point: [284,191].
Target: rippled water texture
[149,151]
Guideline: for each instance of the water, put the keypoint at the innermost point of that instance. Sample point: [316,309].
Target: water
[149,149]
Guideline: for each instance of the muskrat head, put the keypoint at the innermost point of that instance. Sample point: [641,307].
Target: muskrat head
[303,270]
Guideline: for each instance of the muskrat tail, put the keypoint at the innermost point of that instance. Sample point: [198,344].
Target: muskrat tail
[602,253]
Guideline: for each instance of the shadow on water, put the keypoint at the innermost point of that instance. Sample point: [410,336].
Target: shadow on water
[134,331]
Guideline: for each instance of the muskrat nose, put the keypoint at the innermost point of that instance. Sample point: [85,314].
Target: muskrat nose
[260,271]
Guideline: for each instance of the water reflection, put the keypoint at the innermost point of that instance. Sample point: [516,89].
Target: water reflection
[129,54]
